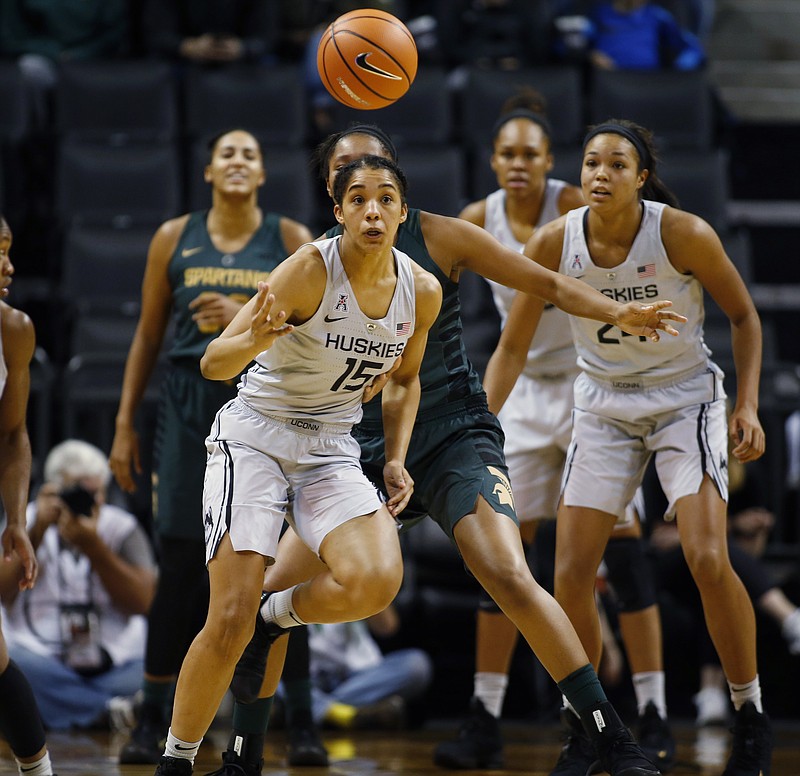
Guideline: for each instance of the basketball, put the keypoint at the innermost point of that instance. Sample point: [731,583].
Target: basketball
[367,59]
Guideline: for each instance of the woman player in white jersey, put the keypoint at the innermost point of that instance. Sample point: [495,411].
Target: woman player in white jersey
[537,421]
[335,315]
[20,721]
[636,398]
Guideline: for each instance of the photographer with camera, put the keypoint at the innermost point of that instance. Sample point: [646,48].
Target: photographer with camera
[79,634]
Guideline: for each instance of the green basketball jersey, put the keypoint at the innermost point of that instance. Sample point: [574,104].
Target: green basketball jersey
[197,266]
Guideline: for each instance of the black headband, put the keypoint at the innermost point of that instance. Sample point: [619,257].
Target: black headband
[376,132]
[521,113]
[634,139]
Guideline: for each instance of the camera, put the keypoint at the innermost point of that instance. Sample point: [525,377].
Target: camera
[78,499]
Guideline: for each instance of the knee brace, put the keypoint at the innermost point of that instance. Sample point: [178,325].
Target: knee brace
[20,722]
[630,574]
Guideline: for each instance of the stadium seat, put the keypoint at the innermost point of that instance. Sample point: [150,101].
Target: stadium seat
[268,101]
[116,102]
[479,318]
[675,105]
[699,179]
[103,266]
[15,126]
[422,116]
[15,116]
[127,184]
[484,93]
[436,179]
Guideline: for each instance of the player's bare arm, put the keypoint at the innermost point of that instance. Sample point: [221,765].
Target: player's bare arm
[511,353]
[19,342]
[156,304]
[291,297]
[400,399]
[475,249]
[694,247]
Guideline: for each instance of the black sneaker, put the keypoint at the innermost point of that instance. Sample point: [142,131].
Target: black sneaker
[145,746]
[622,756]
[479,744]
[249,672]
[233,765]
[173,766]
[304,746]
[577,756]
[655,738]
[752,743]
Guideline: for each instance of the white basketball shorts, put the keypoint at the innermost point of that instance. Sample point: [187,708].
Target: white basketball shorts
[616,431]
[261,470]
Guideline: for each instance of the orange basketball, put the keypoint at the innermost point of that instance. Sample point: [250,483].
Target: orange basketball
[367,59]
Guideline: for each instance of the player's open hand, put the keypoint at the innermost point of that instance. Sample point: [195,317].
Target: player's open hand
[647,320]
[265,325]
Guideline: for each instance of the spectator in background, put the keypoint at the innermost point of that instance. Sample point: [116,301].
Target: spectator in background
[493,34]
[211,32]
[356,686]
[628,35]
[40,35]
[79,634]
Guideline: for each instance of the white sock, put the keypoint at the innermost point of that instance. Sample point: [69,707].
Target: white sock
[741,693]
[490,689]
[568,706]
[182,750]
[41,767]
[278,609]
[649,687]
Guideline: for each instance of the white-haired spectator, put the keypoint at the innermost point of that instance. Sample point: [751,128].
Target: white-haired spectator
[79,634]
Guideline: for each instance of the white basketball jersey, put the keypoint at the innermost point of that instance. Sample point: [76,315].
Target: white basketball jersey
[646,275]
[323,366]
[551,350]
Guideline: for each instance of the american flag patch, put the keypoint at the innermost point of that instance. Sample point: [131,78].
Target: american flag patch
[647,271]
[403,329]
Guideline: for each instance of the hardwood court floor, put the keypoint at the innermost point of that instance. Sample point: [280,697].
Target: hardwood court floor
[531,751]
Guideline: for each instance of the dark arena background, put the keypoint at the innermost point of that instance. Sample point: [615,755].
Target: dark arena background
[103,145]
